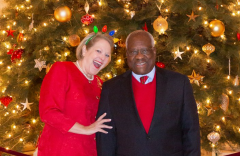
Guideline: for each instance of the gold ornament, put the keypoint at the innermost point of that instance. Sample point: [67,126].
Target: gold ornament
[74,40]
[224,102]
[236,81]
[160,24]
[217,28]
[213,137]
[115,40]
[208,48]
[195,78]
[48,67]
[192,17]
[63,14]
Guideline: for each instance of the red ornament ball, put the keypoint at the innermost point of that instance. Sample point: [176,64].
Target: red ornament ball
[238,36]
[160,64]
[5,100]
[87,19]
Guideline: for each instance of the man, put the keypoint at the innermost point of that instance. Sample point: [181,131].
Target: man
[157,117]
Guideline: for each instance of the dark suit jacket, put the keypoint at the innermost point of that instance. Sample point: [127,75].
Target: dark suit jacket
[174,129]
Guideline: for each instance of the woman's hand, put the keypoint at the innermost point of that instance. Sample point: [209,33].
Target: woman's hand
[97,126]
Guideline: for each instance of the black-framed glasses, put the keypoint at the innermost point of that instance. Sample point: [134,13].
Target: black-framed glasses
[143,51]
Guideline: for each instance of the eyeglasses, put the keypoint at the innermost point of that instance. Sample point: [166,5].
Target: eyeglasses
[144,51]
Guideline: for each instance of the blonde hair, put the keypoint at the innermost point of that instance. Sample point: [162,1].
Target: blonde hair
[139,32]
[95,38]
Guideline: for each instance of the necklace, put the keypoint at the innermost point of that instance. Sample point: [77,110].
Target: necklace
[89,79]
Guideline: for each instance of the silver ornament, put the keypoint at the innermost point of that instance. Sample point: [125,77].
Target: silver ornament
[213,137]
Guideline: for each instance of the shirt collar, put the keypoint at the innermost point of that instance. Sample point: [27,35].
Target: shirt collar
[150,75]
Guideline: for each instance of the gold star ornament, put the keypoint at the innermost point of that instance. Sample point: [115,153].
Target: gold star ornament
[192,17]
[195,78]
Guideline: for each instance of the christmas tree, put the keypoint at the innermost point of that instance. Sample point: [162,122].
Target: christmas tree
[198,38]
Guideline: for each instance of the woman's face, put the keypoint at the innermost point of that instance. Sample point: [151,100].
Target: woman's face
[96,58]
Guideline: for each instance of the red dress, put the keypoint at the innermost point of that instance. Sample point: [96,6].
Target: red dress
[67,97]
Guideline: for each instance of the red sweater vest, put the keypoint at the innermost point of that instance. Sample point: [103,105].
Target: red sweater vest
[145,95]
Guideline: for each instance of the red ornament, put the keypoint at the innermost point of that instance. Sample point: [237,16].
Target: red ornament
[160,64]
[17,54]
[104,29]
[10,32]
[145,27]
[87,19]
[238,36]
[5,100]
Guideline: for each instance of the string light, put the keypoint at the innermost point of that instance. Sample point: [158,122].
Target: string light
[208,60]
[223,119]
[21,140]
[188,48]
[230,91]
[45,24]
[228,77]
[1,62]
[218,127]
[195,51]
[13,111]
[167,10]
[200,8]
[233,14]
[8,67]
[208,101]
[213,145]
[34,121]
[26,81]
[14,126]
[205,86]
[9,135]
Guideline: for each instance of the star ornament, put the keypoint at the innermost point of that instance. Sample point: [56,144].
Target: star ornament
[178,54]
[40,64]
[195,78]
[10,32]
[26,105]
[192,17]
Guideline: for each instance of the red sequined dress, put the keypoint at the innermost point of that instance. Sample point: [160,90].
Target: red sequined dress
[67,97]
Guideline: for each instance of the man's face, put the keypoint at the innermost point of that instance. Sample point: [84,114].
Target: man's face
[140,54]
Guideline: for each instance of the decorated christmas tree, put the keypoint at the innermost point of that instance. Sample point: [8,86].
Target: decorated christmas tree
[198,38]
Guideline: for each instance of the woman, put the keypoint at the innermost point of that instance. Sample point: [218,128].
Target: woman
[69,100]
